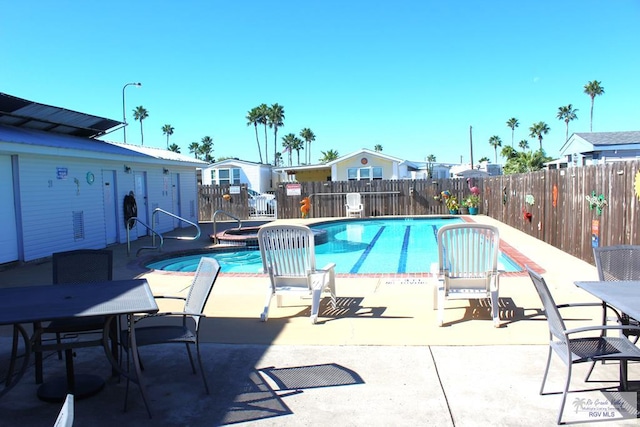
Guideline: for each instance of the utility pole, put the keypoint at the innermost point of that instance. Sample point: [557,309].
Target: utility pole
[471,144]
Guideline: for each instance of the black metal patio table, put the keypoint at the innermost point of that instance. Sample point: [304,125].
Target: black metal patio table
[623,295]
[32,304]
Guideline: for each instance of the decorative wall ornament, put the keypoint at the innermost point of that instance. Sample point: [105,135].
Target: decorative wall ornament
[305,207]
[597,202]
[554,193]
[529,199]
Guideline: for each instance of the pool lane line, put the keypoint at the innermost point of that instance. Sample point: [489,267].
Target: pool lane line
[402,265]
[367,251]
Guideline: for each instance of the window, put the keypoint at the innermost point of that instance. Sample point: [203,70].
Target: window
[377,172]
[362,174]
[227,176]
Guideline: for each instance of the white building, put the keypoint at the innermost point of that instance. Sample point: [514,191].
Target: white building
[62,189]
[256,176]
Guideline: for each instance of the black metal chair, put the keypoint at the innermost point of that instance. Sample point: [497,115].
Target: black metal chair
[77,266]
[573,346]
[181,327]
[616,263]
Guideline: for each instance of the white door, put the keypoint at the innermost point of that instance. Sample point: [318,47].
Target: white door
[110,206]
[9,235]
[175,199]
[140,190]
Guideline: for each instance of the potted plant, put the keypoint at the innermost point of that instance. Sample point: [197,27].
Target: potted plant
[452,204]
[472,202]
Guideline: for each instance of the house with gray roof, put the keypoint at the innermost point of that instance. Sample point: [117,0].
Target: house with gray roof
[592,148]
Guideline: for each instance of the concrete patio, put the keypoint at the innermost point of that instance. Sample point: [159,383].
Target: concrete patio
[378,359]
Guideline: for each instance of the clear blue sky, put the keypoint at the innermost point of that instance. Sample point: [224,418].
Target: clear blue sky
[411,76]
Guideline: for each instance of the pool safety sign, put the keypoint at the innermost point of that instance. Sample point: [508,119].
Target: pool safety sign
[294,189]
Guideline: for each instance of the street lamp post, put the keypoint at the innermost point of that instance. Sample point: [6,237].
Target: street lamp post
[124,111]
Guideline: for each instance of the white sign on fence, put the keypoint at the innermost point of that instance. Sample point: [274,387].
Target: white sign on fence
[294,189]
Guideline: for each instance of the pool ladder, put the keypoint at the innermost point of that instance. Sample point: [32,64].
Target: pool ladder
[215,225]
[154,233]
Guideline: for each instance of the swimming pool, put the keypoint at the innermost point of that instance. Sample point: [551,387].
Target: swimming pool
[368,246]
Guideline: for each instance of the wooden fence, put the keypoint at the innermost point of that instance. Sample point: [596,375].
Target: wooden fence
[550,205]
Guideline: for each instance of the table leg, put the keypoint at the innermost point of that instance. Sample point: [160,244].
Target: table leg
[11,380]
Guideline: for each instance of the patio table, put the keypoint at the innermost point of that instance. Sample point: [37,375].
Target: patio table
[33,304]
[623,295]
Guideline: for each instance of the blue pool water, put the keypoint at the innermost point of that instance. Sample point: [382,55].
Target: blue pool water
[405,245]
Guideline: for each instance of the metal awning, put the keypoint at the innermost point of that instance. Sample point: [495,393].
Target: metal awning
[23,113]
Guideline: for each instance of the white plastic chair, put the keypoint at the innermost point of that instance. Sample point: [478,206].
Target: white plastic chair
[66,414]
[467,266]
[288,256]
[354,205]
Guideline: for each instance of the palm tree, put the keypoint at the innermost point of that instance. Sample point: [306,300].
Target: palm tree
[567,113]
[194,148]
[174,147]
[288,142]
[377,148]
[495,142]
[328,156]
[593,89]
[167,130]
[253,118]
[278,161]
[140,113]
[523,144]
[263,119]
[513,124]
[298,145]
[308,136]
[206,148]
[430,160]
[537,130]
[276,120]
[508,152]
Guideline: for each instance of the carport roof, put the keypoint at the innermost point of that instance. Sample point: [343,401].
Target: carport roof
[23,113]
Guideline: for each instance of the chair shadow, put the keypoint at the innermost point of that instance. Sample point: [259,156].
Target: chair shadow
[346,307]
[255,400]
[508,310]
[258,400]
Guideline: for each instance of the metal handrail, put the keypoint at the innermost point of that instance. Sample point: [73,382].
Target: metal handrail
[215,226]
[158,210]
[129,225]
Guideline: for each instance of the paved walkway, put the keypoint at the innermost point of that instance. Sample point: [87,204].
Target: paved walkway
[378,359]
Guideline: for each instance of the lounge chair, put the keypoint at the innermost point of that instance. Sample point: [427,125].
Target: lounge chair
[616,263]
[581,348]
[467,266]
[288,256]
[354,205]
